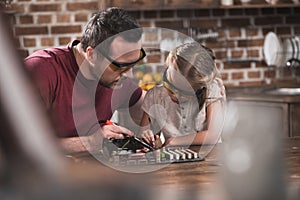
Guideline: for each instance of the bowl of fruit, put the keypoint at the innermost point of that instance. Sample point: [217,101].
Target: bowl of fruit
[146,79]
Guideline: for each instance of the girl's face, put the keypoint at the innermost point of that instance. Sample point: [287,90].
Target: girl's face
[179,89]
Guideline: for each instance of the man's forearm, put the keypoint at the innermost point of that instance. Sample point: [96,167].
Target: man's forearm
[81,144]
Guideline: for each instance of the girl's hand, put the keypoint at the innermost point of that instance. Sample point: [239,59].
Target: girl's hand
[148,136]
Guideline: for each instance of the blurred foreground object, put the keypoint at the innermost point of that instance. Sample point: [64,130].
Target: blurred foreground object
[253,159]
[31,164]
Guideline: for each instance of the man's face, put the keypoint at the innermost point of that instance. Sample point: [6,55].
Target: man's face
[121,51]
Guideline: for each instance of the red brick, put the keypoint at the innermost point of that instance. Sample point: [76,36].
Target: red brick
[29,42]
[267,11]
[270,20]
[261,64]
[254,74]
[44,7]
[221,55]
[237,65]
[251,43]
[151,36]
[235,32]
[251,12]
[202,13]
[172,24]
[221,33]
[185,13]
[235,12]
[253,53]
[297,30]
[267,30]
[284,11]
[153,58]
[31,30]
[26,19]
[166,14]
[81,17]
[237,75]
[284,30]
[270,74]
[235,22]
[150,14]
[252,32]
[65,29]
[167,35]
[44,19]
[47,41]
[252,83]
[203,23]
[18,8]
[145,23]
[218,12]
[236,53]
[284,82]
[64,40]
[220,44]
[63,18]
[82,6]
[224,76]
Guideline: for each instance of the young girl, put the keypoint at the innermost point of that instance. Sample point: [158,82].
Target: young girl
[187,108]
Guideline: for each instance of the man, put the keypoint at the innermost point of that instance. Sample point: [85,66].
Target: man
[82,84]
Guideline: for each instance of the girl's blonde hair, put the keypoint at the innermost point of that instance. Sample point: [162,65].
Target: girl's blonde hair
[196,63]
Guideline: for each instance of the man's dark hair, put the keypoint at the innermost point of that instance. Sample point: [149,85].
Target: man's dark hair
[107,23]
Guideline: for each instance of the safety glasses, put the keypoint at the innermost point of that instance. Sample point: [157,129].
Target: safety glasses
[119,65]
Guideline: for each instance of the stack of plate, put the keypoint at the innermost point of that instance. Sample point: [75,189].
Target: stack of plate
[277,53]
[291,49]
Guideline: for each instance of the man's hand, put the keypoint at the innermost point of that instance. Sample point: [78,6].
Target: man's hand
[117,132]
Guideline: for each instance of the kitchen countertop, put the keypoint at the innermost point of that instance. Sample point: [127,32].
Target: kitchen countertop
[255,93]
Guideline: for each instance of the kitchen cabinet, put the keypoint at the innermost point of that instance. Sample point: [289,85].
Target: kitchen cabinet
[295,119]
[283,108]
[269,113]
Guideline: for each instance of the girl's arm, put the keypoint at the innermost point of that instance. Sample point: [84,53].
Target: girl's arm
[145,131]
[215,118]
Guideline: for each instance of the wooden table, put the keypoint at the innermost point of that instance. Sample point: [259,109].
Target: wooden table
[208,177]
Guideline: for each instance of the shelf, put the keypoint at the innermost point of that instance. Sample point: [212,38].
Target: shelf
[241,6]
[143,5]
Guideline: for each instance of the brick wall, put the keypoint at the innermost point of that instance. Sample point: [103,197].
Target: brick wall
[238,47]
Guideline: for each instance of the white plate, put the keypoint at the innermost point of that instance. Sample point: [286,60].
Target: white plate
[297,45]
[287,50]
[272,49]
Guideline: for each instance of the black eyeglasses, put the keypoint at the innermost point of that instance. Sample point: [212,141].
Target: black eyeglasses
[125,64]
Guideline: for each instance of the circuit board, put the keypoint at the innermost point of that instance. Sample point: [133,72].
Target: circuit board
[125,152]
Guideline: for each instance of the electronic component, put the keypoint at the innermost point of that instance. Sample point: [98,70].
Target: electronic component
[133,151]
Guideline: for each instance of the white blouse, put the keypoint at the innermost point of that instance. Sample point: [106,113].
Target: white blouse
[177,119]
